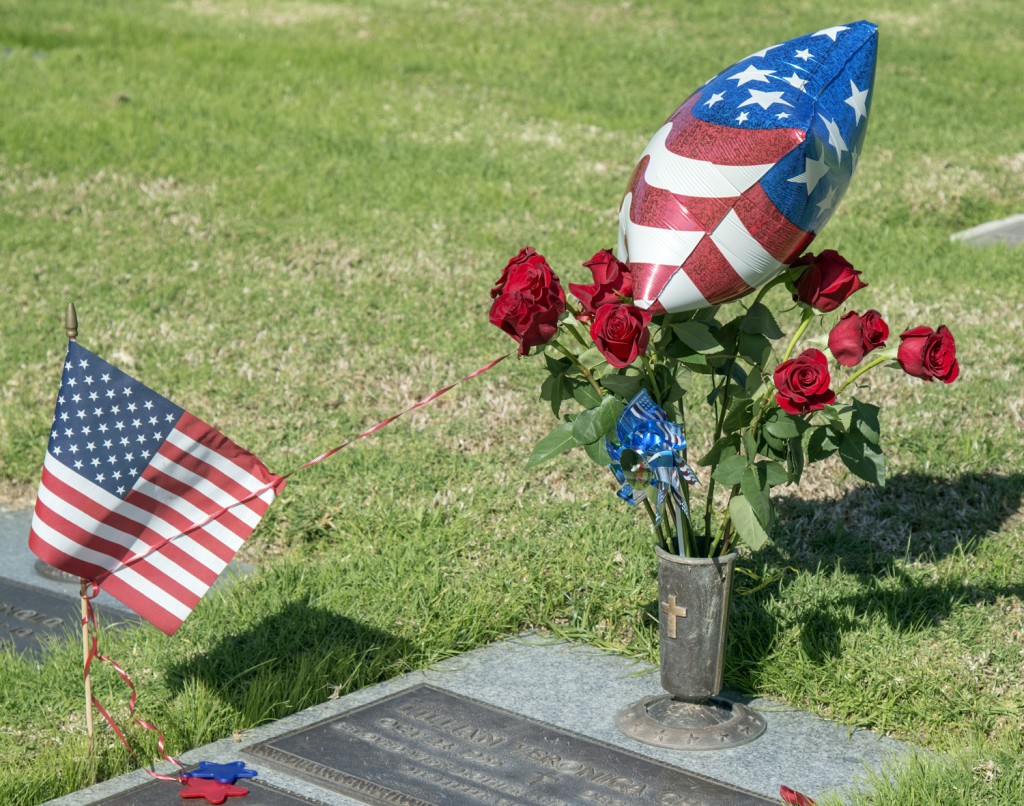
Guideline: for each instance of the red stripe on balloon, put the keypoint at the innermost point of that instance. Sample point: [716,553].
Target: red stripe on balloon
[713,274]
[780,237]
[659,208]
[649,280]
[724,145]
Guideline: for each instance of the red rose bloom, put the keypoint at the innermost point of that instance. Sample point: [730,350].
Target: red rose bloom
[854,336]
[928,354]
[529,300]
[612,282]
[527,256]
[620,333]
[828,280]
[802,383]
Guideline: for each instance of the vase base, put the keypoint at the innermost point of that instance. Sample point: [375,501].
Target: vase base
[715,724]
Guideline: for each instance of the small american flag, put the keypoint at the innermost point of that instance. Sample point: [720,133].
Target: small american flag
[748,170]
[140,495]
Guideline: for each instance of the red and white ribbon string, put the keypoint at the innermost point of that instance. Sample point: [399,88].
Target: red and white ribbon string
[279,482]
[89,622]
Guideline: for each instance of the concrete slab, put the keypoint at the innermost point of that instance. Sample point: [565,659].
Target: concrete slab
[1009,231]
[18,563]
[39,602]
[575,688]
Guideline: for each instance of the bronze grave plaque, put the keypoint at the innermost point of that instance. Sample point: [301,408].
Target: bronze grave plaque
[425,746]
[30,615]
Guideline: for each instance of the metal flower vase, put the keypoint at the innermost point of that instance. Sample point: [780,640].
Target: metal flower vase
[693,604]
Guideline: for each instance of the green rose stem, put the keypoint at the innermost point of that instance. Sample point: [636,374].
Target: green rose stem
[583,370]
[884,356]
[805,321]
[576,315]
[654,381]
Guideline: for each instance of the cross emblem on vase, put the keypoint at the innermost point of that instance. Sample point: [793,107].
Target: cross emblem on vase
[673,611]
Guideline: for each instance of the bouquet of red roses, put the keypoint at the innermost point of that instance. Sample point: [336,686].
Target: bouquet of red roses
[621,380]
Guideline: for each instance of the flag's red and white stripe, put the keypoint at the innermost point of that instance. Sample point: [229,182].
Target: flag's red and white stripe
[695,199]
[160,548]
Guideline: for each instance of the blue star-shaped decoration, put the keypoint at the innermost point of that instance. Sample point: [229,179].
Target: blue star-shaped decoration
[225,773]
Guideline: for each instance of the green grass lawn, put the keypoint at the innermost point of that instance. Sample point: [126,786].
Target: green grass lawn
[286,216]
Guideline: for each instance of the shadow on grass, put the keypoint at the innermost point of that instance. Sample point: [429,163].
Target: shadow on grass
[914,515]
[864,534]
[297,657]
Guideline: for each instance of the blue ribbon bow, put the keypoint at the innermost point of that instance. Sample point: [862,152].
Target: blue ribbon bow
[645,429]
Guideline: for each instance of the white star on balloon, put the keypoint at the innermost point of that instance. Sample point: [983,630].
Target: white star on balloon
[832,32]
[795,81]
[782,115]
[764,99]
[828,202]
[804,54]
[714,99]
[751,74]
[858,100]
[835,137]
[742,118]
[814,170]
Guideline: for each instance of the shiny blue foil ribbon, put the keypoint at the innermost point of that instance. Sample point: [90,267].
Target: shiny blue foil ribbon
[644,429]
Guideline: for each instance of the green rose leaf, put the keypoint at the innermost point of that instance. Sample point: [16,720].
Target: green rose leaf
[746,524]
[624,383]
[822,444]
[730,470]
[592,424]
[697,336]
[755,383]
[785,426]
[776,446]
[696,362]
[727,445]
[749,445]
[863,458]
[754,486]
[755,348]
[795,460]
[865,421]
[558,441]
[776,473]
[598,452]
[553,389]
[591,358]
[586,395]
[759,320]
[839,417]
[572,324]
[740,414]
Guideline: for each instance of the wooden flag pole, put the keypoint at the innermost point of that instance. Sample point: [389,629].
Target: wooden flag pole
[71,328]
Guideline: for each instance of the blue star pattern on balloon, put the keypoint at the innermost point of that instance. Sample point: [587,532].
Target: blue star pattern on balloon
[225,773]
[820,83]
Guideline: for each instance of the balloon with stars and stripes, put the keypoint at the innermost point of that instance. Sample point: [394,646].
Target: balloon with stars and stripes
[748,170]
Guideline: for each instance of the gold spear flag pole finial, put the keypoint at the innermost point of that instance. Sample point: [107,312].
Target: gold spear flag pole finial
[71,322]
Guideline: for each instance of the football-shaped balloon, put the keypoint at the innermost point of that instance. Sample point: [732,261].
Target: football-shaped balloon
[748,170]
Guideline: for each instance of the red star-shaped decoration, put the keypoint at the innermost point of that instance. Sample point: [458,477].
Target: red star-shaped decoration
[214,791]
